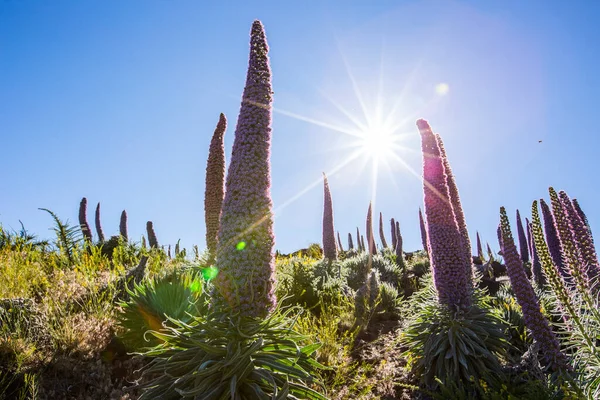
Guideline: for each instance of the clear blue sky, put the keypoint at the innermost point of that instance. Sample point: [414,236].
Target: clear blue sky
[117,101]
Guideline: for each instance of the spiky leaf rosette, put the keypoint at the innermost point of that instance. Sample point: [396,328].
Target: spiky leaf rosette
[98,225]
[225,356]
[85,227]
[446,244]
[381,233]
[459,215]
[123,225]
[152,240]
[214,189]
[532,314]
[454,346]
[522,239]
[329,249]
[245,257]
[179,296]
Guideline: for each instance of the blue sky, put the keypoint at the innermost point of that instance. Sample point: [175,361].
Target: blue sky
[117,101]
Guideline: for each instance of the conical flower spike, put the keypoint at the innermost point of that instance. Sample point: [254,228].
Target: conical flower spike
[329,249]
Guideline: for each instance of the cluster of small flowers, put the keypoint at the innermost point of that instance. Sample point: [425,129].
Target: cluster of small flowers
[245,258]
[446,243]
[215,185]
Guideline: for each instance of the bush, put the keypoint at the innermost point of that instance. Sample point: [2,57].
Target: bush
[222,356]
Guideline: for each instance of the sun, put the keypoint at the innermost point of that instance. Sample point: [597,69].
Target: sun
[377,142]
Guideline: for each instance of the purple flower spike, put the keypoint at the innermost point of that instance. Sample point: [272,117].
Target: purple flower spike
[329,249]
[522,239]
[536,266]
[554,246]
[99,230]
[583,243]
[394,238]
[381,234]
[341,248]
[85,227]
[123,225]
[350,244]
[152,241]
[370,239]
[245,258]
[446,244]
[214,189]
[457,209]
[361,246]
[424,240]
[479,247]
[534,319]
[583,217]
[398,247]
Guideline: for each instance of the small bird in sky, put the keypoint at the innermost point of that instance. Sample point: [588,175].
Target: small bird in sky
[539,141]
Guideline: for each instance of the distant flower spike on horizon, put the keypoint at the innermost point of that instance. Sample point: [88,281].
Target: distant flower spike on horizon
[214,189]
[350,244]
[446,244]
[479,247]
[381,233]
[85,227]
[98,224]
[372,248]
[246,278]
[393,229]
[424,240]
[329,249]
[152,240]
[123,225]
[399,247]
[341,248]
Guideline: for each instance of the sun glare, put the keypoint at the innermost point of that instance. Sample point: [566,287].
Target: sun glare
[377,142]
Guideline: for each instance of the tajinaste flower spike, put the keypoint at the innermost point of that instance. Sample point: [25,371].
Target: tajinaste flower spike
[489,250]
[398,247]
[479,248]
[372,248]
[554,246]
[536,267]
[446,244]
[341,248]
[583,243]
[362,243]
[245,257]
[532,314]
[583,217]
[350,244]
[329,249]
[214,189]
[381,234]
[424,240]
[457,209]
[358,242]
[85,227]
[98,225]
[123,226]
[522,239]
[152,241]
[567,241]
[393,226]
